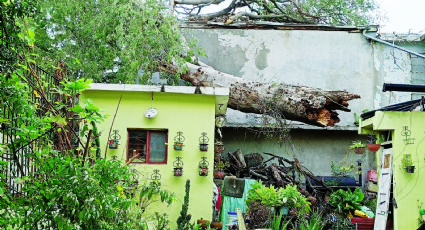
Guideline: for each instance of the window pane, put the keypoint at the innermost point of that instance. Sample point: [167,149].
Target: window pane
[137,144]
[157,146]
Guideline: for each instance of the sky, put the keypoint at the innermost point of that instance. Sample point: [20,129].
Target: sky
[403,15]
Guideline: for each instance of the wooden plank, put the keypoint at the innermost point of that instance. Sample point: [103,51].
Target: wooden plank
[385,176]
[241,221]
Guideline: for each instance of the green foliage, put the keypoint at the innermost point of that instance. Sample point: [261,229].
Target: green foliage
[345,201]
[108,40]
[12,37]
[276,223]
[406,161]
[315,222]
[152,192]
[357,144]
[183,221]
[220,165]
[273,197]
[72,196]
[341,169]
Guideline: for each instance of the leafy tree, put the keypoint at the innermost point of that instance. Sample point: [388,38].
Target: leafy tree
[108,40]
[339,12]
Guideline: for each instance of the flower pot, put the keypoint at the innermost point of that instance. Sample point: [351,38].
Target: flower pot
[359,150]
[178,171]
[216,225]
[113,144]
[203,147]
[219,148]
[178,146]
[203,172]
[373,147]
[219,174]
[410,169]
[202,222]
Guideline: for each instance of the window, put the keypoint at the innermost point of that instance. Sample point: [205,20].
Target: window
[151,144]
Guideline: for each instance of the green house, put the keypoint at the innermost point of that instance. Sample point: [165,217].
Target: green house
[146,122]
[404,132]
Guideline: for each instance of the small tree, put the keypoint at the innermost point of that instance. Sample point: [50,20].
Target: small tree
[184,218]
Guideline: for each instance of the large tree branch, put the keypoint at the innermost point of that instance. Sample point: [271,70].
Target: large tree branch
[299,103]
[198,2]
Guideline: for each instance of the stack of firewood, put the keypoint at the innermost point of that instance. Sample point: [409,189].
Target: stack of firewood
[277,174]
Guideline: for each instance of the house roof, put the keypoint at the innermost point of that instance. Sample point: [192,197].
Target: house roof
[221,94]
[274,26]
[401,107]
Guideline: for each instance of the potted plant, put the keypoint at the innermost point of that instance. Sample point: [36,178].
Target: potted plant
[219,169]
[203,167]
[218,147]
[345,201]
[358,147]
[178,141]
[203,142]
[374,143]
[407,163]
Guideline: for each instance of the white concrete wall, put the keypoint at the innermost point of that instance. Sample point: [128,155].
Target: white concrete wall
[336,60]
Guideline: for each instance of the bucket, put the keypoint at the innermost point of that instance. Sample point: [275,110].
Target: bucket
[232,219]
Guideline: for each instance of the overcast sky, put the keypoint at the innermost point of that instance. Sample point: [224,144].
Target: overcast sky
[403,15]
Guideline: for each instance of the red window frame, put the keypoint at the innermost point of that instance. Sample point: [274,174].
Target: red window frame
[148,147]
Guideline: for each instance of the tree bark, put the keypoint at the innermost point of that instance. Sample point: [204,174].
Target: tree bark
[310,105]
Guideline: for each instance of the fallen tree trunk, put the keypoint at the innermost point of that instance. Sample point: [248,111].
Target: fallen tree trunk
[299,103]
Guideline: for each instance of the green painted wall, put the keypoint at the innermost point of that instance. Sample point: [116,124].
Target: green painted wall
[192,114]
[408,188]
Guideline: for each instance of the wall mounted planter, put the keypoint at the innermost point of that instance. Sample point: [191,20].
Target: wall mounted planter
[178,141]
[410,169]
[373,147]
[203,167]
[219,174]
[113,144]
[113,139]
[178,171]
[218,148]
[178,166]
[178,146]
[203,142]
[203,171]
[203,147]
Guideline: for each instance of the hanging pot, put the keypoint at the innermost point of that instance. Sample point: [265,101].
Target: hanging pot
[373,147]
[359,150]
[113,144]
[219,174]
[410,169]
[178,145]
[203,171]
[178,171]
[219,148]
[203,147]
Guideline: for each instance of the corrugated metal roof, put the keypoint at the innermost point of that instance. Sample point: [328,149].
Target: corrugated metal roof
[404,106]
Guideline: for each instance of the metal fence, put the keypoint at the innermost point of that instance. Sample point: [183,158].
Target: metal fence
[19,159]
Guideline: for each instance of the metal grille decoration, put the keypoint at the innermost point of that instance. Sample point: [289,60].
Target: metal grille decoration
[113,139]
[406,132]
[203,142]
[203,167]
[178,166]
[178,141]
[156,176]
